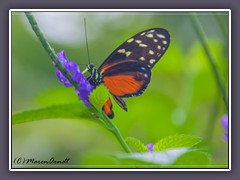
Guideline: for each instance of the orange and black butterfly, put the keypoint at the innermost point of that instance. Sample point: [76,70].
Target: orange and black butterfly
[127,71]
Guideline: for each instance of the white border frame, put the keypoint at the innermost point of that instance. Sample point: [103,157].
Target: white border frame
[114,10]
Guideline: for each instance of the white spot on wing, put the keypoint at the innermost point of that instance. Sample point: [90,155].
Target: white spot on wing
[151,52]
[152,61]
[128,53]
[142,33]
[130,40]
[138,41]
[161,36]
[142,45]
[150,35]
[151,31]
[164,42]
[121,51]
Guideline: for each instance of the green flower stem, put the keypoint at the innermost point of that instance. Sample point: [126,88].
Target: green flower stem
[201,35]
[116,132]
[48,48]
[111,127]
[107,122]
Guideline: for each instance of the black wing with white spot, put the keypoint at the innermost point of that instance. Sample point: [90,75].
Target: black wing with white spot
[127,71]
[147,46]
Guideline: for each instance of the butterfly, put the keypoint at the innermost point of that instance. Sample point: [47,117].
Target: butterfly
[127,71]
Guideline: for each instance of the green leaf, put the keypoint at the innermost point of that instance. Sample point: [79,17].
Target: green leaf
[172,158]
[137,144]
[99,96]
[176,141]
[56,96]
[66,111]
[193,158]
[167,157]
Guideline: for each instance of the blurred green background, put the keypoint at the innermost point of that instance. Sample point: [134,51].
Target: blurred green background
[182,96]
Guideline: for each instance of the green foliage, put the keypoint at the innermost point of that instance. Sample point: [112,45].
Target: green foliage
[56,96]
[99,96]
[66,111]
[172,151]
[136,144]
[172,158]
[193,158]
[98,160]
[176,141]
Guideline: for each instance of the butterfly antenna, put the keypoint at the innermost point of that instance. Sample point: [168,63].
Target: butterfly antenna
[85,27]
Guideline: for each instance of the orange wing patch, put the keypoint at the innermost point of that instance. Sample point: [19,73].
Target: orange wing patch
[121,85]
[107,108]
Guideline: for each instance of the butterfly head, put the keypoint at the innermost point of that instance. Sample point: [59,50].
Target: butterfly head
[90,66]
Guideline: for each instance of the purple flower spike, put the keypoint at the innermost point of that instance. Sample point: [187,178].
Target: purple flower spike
[71,67]
[225,126]
[150,147]
[85,88]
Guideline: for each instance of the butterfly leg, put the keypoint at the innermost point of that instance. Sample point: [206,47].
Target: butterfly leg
[120,102]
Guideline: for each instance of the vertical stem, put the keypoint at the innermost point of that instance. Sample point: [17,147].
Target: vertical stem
[116,133]
[201,35]
[48,48]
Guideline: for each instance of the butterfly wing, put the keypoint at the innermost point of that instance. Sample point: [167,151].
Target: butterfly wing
[147,47]
[107,108]
[127,71]
[127,78]
[130,82]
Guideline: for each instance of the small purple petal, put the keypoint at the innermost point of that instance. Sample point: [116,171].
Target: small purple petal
[63,79]
[150,147]
[85,88]
[83,94]
[225,126]
[62,57]
[72,66]
[78,77]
